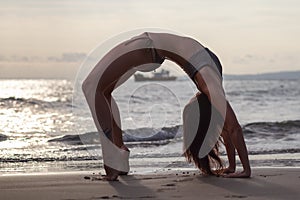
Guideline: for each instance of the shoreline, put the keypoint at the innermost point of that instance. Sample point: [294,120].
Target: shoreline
[265,183]
[142,172]
[138,166]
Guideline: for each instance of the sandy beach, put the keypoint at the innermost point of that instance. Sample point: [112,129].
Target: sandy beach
[265,183]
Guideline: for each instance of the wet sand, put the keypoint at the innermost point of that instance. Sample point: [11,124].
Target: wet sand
[265,183]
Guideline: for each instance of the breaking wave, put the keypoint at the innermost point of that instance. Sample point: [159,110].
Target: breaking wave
[271,130]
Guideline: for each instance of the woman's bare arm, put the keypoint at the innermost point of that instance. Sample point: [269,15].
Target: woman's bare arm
[209,83]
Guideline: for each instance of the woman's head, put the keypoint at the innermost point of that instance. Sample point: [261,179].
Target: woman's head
[196,121]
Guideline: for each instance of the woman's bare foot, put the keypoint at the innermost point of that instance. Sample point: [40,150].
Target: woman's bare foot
[111,174]
[242,174]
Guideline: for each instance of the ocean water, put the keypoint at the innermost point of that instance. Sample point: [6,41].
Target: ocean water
[45,125]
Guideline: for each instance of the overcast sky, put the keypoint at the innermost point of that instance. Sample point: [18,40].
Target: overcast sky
[51,38]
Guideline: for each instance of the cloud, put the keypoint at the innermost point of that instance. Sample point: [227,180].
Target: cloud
[248,58]
[68,57]
[268,62]
[65,57]
[2,58]
[17,58]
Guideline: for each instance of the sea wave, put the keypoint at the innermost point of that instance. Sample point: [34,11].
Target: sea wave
[70,155]
[23,102]
[271,130]
[3,137]
[275,151]
[48,159]
[140,135]
[76,147]
[275,130]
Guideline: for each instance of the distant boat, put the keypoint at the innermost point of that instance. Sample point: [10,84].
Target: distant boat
[163,75]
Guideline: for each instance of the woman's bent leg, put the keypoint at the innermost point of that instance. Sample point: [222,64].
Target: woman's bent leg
[115,121]
[115,159]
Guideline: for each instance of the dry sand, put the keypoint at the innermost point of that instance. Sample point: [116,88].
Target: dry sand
[265,183]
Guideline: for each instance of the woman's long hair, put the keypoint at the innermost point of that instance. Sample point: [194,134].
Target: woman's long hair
[193,124]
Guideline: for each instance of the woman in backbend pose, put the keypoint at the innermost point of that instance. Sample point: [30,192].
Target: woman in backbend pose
[147,52]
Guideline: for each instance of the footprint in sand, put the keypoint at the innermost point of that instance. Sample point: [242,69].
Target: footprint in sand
[268,175]
[235,196]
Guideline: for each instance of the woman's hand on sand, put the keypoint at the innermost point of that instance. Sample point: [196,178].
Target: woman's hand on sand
[228,170]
